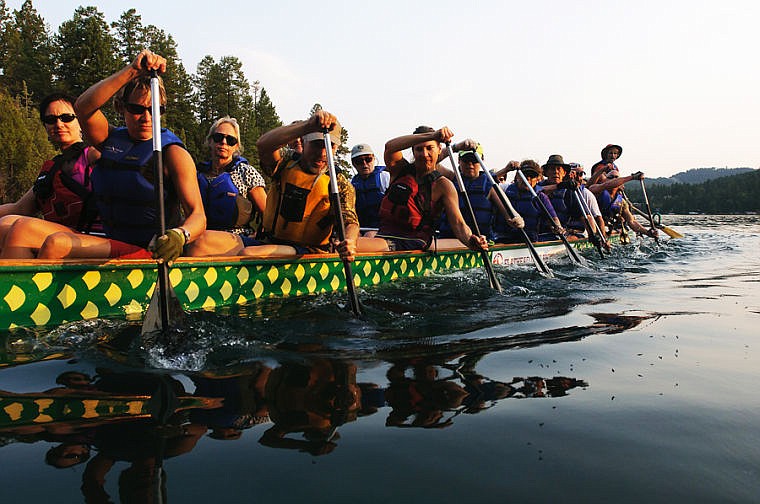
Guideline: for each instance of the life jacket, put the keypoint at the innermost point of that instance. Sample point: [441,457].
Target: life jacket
[225,206]
[62,198]
[298,207]
[123,186]
[369,194]
[567,209]
[407,208]
[477,190]
[523,203]
[609,206]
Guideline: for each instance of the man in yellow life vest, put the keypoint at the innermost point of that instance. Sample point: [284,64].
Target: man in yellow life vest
[298,211]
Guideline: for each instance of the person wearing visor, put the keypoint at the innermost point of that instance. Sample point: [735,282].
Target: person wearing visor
[370,183]
[123,180]
[536,226]
[298,213]
[486,205]
[62,192]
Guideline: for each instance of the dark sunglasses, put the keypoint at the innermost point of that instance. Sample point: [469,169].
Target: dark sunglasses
[363,159]
[218,137]
[136,109]
[52,119]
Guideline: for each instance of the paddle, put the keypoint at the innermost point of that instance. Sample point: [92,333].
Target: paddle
[570,251]
[464,196]
[665,229]
[539,263]
[649,209]
[164,305]
[340,224]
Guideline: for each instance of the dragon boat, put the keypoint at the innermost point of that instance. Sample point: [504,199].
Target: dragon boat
[40,293]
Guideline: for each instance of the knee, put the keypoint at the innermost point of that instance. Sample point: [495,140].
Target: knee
[56,246]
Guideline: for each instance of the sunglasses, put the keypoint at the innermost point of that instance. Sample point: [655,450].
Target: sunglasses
[52,119]
[136,109]
[362,159]
[218,137]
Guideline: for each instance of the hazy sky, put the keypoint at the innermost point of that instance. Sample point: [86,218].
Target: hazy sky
[676,83]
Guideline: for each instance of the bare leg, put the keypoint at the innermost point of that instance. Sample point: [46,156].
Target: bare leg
[26,235]
[216,243]
[5,225]
[268,250]
[70,244]
[367,244]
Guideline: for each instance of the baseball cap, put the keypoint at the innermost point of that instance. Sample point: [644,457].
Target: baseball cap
[317,135]
[479,151]
[361,150]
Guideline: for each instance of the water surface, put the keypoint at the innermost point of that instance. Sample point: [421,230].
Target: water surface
[633,379]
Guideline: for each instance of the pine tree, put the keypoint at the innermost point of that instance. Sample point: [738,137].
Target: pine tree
[130,35]
[180,106]
[28,58]
[23,147]
[85,51]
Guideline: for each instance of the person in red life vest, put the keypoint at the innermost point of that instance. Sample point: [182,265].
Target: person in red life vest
[298,214]
[234,197]
[62,191]
[123,180]
[417,195]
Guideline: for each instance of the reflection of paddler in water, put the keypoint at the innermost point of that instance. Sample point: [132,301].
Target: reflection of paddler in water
[314,399]
[243,405]
[425,397]
[143,443]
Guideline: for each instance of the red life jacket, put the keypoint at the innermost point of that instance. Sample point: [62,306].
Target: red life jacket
[60,197]
[407,211]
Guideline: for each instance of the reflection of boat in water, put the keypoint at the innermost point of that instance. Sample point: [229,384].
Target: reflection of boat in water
[49,293]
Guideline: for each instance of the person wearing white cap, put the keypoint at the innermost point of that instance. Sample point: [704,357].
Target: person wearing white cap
[298,211]
[370,183]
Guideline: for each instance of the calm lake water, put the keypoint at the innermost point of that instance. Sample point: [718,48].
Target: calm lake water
[633,379]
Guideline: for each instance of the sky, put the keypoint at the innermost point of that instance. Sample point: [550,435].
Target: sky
[675,83]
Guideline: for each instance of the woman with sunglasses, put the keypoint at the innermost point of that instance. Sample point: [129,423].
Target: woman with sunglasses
[61,193]
[123,181]
[234,196]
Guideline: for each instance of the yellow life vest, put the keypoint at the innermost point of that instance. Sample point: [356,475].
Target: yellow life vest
[298,207]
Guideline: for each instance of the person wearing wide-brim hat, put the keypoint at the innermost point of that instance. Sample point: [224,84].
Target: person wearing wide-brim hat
[555,160]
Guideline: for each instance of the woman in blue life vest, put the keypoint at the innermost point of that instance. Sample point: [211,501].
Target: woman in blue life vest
[370,183]
[62,191]
[486,205]
[233,193]
[536,225]
[417,196]
[123,180]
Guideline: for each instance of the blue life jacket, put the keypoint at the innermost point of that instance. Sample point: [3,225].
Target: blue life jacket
[609,206]
[523,203]
[369,194]
[477,189]
[569,213]
[220,197]
[123,186]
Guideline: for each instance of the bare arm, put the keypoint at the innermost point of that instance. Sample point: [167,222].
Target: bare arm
[443,191]
[87,107]
[258,196]
[180,168]
[394,148]
[270,142]
[26,205]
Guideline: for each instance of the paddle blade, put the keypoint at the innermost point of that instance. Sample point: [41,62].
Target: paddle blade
[670,232]
[152,320]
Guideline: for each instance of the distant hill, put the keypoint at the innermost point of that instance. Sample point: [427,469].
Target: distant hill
[697,176]
[736,193]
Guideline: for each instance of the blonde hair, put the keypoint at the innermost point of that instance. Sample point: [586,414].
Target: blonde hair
[232,122]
